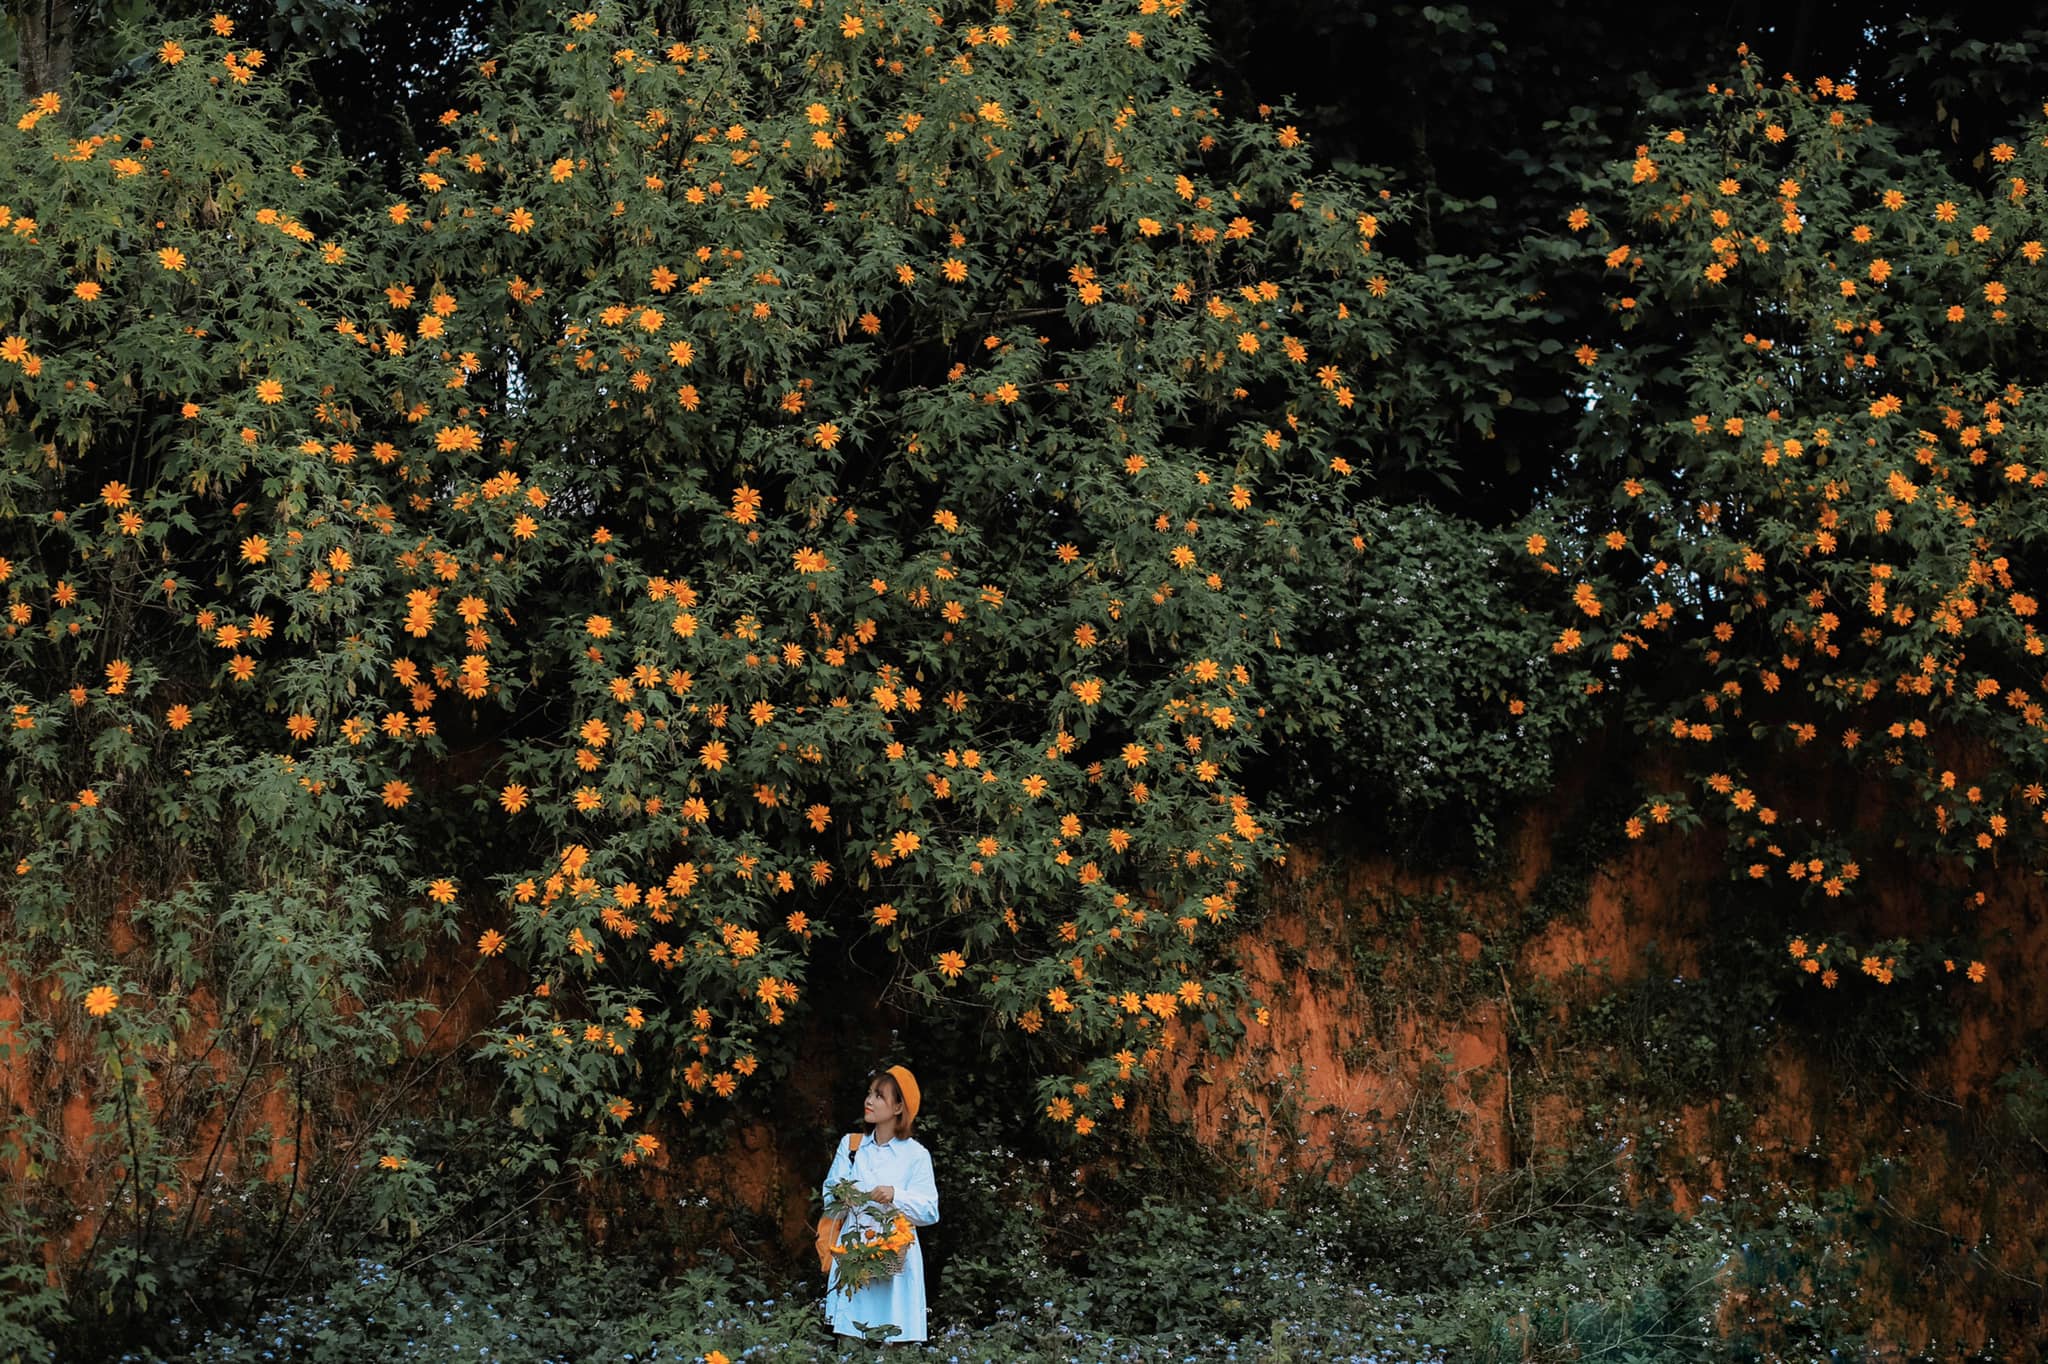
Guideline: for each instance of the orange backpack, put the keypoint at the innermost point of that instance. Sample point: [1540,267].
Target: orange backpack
[828,1226]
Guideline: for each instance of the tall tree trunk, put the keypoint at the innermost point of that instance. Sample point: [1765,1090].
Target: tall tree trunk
[46,31]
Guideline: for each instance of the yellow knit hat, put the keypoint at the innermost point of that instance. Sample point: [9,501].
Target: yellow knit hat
[907,1083]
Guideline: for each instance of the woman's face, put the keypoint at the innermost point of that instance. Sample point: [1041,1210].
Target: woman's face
[879,1106]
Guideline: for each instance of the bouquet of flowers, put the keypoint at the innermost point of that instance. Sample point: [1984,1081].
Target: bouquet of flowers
[864,1254]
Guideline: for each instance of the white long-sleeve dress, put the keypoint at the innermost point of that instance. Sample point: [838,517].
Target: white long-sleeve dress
[899,1301]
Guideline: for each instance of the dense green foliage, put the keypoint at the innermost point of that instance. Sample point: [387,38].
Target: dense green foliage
[1812,399]
[1334,1277]
[876,544]
[780,498]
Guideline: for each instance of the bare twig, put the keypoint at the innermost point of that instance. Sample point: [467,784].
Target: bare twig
[1946,1234]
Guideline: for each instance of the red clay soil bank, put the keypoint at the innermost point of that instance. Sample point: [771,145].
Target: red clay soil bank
[1352,1062]
[1382,1069]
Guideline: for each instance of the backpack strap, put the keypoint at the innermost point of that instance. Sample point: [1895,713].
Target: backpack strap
[852,1144]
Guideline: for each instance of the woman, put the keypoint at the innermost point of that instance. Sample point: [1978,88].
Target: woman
[896,1171]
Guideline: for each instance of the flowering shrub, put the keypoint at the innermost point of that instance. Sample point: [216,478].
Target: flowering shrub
[1812,502]
[789,483]
[870,480]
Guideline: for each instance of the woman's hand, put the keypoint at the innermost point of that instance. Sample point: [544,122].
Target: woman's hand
[883,1193]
